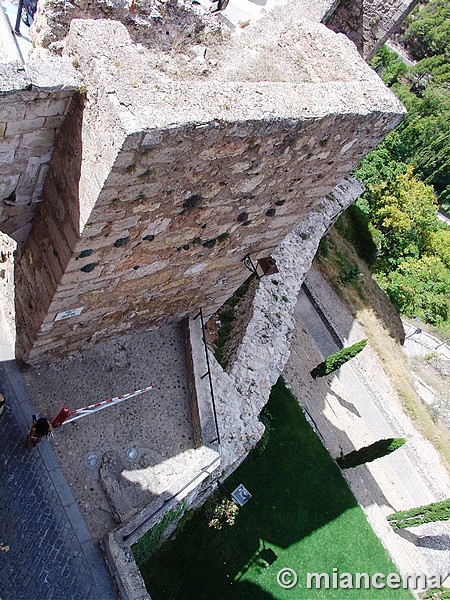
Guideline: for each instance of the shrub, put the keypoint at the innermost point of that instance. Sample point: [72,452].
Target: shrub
[335,361]
[222,514]
[437,511]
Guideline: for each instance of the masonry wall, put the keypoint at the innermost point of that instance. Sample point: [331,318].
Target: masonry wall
[369,23]
[157,191]
[31,112]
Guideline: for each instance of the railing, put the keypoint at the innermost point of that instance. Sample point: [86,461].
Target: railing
[208,373]
[142,525]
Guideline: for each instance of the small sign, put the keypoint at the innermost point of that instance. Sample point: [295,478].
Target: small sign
[241,495]
[67,314]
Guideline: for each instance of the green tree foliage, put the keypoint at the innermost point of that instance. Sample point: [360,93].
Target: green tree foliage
[440,244]
[336,360]
[428,30]
[437,511]
[405,213]
[413,256]
[420,288]
[369,453]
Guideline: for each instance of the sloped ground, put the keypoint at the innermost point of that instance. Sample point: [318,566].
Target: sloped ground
[353,408]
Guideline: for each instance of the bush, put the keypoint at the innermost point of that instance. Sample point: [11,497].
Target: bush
[221,514]
[335,361]
[437,511]
[266,419]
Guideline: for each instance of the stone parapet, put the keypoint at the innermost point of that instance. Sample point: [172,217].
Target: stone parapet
[369,23]
[265,346]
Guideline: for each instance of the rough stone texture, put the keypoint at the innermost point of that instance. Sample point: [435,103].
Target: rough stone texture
[7,312]
[369,23]
[170,179]
[33,103]
[264,349]
[157,424]
[163,24]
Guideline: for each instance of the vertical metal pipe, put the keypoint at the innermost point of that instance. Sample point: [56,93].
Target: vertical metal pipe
[19,18]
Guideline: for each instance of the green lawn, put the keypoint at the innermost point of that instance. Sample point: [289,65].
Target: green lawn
[301,508]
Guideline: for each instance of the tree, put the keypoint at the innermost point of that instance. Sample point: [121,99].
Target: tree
[336,360]
[420,288]
[369,453]
[405,214]
[437,511]
[428,31]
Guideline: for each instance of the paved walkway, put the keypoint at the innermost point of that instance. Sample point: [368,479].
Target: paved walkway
[51,554]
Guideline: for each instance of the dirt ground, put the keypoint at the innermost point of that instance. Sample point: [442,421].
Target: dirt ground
[117,460]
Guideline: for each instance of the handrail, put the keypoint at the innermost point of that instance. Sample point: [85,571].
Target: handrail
[208,372]
[159,509]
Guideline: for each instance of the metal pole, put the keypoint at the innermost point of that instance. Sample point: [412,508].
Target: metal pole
[209,373]
[65,414]
[19,18]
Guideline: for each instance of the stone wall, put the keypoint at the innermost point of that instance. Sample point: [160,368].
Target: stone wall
[369,23]
[161,24]
[265,346]
[33,103]
[169,178]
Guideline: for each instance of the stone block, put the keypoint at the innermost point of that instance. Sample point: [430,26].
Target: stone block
[24,126]
[40,140]
[48,108]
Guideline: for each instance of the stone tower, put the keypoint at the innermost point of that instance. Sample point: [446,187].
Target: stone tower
[170,166]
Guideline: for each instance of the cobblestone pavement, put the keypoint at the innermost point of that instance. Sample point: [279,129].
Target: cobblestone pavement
[51,554]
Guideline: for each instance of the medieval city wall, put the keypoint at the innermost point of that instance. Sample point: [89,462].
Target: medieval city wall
[369,23]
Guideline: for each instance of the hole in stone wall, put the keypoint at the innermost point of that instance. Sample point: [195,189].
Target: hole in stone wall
[243,216]
[149,237]
[85,253]
[121,242]
[193,202]
[209,243]
[281,202]
[271,212]
[89,268]
[245,223]
[136,267]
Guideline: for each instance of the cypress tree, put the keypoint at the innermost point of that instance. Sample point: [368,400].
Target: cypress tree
[336,360]
[437,511]
[369,453]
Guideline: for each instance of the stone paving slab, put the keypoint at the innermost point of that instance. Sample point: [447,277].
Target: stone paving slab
[51,555]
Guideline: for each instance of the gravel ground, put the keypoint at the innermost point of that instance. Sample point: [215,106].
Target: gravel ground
[117,460]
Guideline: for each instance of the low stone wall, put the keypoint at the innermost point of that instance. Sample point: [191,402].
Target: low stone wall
[190,491]
[369,23]
[7,313]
